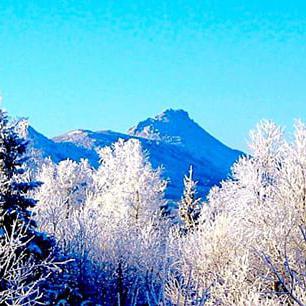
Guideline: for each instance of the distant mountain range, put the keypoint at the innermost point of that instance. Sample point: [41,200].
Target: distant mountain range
[172,139]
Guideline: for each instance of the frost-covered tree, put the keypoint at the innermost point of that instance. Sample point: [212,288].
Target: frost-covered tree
[249,247]
[61,212]
[16,206]
[17,270]
[127,196]
[63,193]
[122,257]
[189,206]
[126,184]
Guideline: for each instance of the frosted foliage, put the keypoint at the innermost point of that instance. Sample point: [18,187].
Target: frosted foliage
[189,206]
[254,246]
[108,221]
[248,248]
[63,192]
[16,270]
[126,184]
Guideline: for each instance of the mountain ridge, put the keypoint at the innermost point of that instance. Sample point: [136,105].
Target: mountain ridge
[172,139]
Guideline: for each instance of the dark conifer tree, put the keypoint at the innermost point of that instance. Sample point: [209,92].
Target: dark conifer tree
[15,203]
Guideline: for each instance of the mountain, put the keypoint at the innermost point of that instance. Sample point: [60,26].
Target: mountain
[177,128]
[172,139]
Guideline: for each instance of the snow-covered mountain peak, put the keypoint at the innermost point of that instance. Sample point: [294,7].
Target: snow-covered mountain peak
[173,115]
[168,126]
[177,128]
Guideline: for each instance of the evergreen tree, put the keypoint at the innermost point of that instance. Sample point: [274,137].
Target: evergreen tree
[189,206]
[15,204]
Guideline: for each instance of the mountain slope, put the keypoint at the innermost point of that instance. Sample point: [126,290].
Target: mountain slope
[175,127]
[172,139]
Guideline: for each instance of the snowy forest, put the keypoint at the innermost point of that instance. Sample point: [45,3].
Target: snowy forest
[72,234]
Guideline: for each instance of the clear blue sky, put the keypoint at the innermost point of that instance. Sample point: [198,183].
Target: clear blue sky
[108,64]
